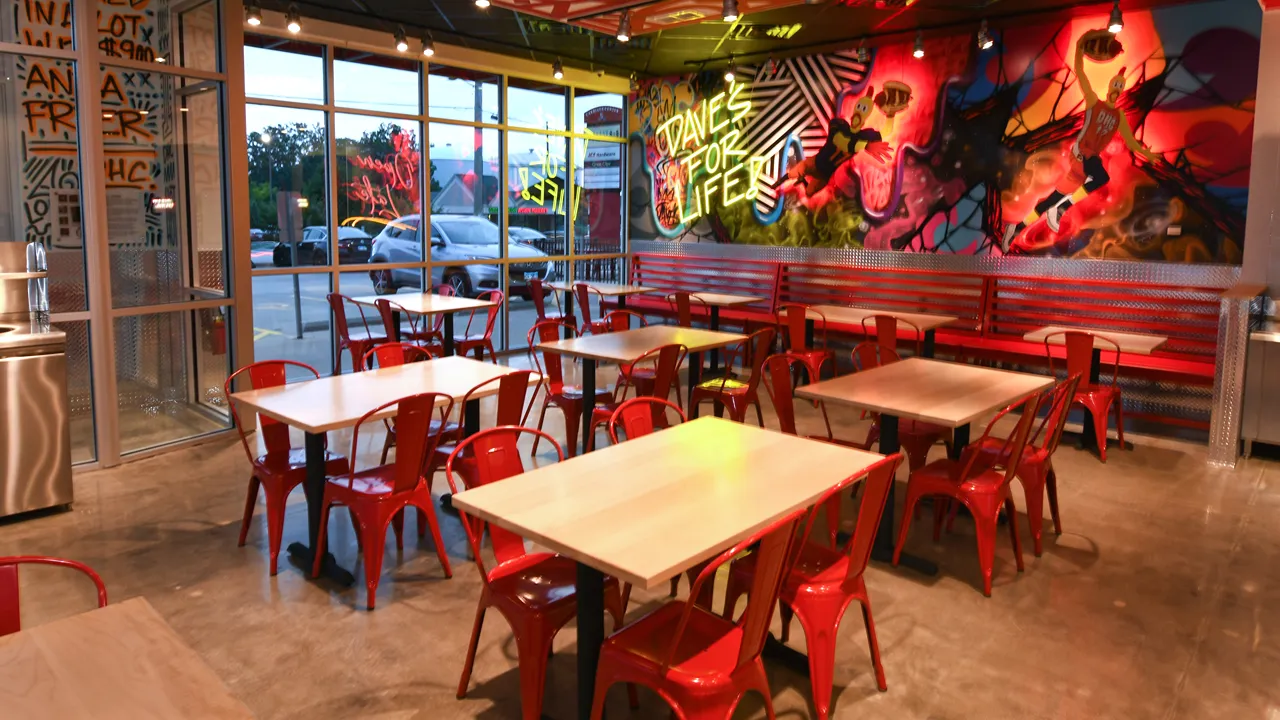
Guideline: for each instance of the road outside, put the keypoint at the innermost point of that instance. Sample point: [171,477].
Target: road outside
[276,318]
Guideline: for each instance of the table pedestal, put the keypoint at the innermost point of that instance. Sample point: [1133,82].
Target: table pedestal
[304,555]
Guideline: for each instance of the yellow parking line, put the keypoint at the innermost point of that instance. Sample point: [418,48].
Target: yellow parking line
[259,333]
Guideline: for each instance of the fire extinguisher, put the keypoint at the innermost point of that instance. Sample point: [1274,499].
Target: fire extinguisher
[214,332]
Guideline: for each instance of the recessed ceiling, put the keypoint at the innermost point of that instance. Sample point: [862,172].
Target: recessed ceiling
[674,36]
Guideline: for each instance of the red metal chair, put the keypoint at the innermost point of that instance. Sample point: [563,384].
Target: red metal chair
[283,467]
[568,398]
[10,617]
[540,305]
[661,364]
[1035,470]
[435,334]
[821,582]
[535,592]
[792,319]
[915,437]
[582,293]
[378,496]
[1096,399]
[468,342]
[887,332]
[356,341]
[700,663]
[416,334]
[688,306]
[393,354]
[733,393]
[982,489]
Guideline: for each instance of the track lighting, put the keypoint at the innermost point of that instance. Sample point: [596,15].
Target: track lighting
[624,27]
[635,83]
[428,46]
[984,37]
[864,55]
[253,14]
[293,20]
[402,42]
[1116,23]
[557,70]
[730,13]
[482,4]
[729,74]
[919,51]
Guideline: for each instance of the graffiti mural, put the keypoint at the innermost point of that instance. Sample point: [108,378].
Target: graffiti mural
[1063,140]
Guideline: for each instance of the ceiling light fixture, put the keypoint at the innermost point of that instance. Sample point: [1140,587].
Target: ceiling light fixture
[729,72]
[482,4]
[253,14]
[919,51]
[984,37]
[402,42]
[1116,23]
[557,69]
[635,83]
[730,13]
[864,55]
[428,46]
[624,27]
[293,19]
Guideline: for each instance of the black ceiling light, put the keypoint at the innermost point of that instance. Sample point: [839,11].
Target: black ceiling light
[253,14]
[557,70]
[984,37]
[428,45]
[402,42]
[730,73]
[918,52]
[624,27]
[730,13]
[863,54]
[293,19]
[1116,24]
[482,4]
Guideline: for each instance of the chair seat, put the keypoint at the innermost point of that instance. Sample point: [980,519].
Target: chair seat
[362,335]
[727,385]
[997,449]
[569,318]
[941,475]
[919,427]
[375,481]
[296,461]
[816,565]
[710,643]
[540,581]
[574,392]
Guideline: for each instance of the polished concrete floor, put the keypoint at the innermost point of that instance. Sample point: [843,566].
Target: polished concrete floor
[1158,601]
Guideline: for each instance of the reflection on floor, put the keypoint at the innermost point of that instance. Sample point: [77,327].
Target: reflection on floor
[1157,602]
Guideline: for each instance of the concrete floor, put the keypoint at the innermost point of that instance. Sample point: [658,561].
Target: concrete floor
[1157,602]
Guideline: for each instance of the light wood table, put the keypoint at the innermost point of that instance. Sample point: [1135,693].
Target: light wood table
[928,324]
[714,302]
[648,509]
[427,305]
[118,662]
[335,402]
[1136,343]
[952,395]
[628,345]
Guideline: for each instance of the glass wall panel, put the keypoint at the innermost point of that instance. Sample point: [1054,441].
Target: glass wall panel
[195,35]
[39,24]
[537,188]
[597,214]
[472,280]
[80,390]
[607,270]
[287,189]
[376,82]
[170,369]
[535,104]
[458,94]
[162,139]
[40,170]
[379,188]
[278,69]
[597,113]
[148,31]
[291,319]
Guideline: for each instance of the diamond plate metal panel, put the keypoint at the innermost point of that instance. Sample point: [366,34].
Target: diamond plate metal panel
[1228,384]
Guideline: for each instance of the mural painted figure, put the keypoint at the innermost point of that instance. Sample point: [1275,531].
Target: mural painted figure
[845,138]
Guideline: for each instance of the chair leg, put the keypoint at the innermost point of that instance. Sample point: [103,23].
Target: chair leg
[533,644]
[542,418]
[626,597]
[759,413]
[250,501]
[1119,401]
[387,444]
[985,530]
[786,613]
[1012,511]
[734,589]
[675,586]
[1051,484]
[1033,493]
[905,524]
[819,621]
[374,549]
[471,648]
[572,424]
[1100,429]
[397,524]
[826,420]
[277,498]
[427,511]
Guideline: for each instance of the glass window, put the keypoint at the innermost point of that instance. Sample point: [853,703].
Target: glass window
[39,24]
[80,390]
[597,214]
[537,186]
[278,69]
[605,270]
[457,94]
[165,212]
[133,30]
[597,113]
[195,36]
[376,82]
[286,185]
[535,104]
[291,319]
[379,187]
[40,170]
[465,169]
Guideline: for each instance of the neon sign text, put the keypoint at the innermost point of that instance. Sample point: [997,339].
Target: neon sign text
[541,183]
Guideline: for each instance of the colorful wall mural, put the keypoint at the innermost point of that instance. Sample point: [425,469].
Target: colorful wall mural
[1062,140]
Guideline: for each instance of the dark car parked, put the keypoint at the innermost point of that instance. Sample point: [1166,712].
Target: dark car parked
[353,247]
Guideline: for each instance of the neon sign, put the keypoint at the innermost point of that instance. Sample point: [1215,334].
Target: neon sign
[710,166]
[541,183]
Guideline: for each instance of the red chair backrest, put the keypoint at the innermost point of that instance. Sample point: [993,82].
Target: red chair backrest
[444,291]
[640,416]
[549,365]
[337,303]
[264,374]
[1080,346]
[494,454]
[513,390]
[582,293]
[393,354]
[772,553]
[887,332]
[756,349]
[620,320]
[10,604]
[539,302]
[415,443]
[491,313]
[880,478]
[1011,451]
[1058,399]
[870,354]
[667,360]
[682,303]
[777,382]
[794,316]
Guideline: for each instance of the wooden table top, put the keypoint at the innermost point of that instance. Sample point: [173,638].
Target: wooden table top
[650,508]
[726,300]
[427,303]
[118,662]
[338,401]
[945,393]
[628,345]
[854,316]
[610,289]
[1136,343]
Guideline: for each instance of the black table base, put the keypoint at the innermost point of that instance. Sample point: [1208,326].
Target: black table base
[590,598]
[304,555]
[470,426]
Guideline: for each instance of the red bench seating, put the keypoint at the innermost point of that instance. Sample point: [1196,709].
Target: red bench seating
[668,273]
